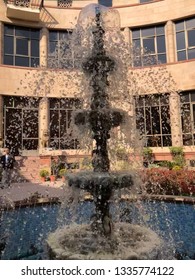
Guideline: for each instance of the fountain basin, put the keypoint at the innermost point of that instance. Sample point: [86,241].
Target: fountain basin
[27,226]
[94,181]
[80,242]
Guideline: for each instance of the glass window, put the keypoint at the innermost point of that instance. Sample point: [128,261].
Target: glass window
[185,38]
[9,45]
[60,123]
[53,35]
[181,55]
[107,3]
[21,123]
[145,32]
[145,1]
[153,120]
[22,45]
[187,101]
[136,33]
[22,61]
[34,48]
[60,53]
[191,54]
[151,42]
[162,58]
[148,44]
[161,44]
[8,60]
[180,38]
[22,32]
[179,26]
[191,38]
[159,30]
[8,29]
[190,23]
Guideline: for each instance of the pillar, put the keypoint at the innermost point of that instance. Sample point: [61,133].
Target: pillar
[170,42]
[44,47]
[43,122]
[1,121]
[1,42]
[175,118]
[127,35]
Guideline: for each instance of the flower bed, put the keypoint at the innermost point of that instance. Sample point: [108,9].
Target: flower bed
[169,182]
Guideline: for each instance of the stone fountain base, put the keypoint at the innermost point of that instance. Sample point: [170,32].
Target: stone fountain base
[79,242]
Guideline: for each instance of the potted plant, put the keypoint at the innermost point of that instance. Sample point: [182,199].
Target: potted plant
[54,171]
[62,173]
[147,156]
[43,174]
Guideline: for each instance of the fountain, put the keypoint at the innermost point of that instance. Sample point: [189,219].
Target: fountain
[106,226]
[102,238]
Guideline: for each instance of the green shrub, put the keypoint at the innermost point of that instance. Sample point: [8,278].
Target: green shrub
[176,167]
[178,156]
[44,173]
[168,182]
[175,151]
[86,164]
[62,172]
[121,153]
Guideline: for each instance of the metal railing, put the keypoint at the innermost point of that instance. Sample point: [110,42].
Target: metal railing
[34,4]
[65,3]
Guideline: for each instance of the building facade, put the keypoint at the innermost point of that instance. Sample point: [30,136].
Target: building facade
[35,115]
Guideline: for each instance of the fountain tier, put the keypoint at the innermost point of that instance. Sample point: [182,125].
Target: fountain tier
[129,242]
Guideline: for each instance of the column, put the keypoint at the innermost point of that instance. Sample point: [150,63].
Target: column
[44,47]
[44,123]
[175,118]
[170,42]
[127,35]
[1,42]
[1,121]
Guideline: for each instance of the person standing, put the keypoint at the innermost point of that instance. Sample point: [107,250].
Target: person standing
[7,162]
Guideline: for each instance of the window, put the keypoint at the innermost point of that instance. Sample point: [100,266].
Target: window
[107,3]
[60,123]
[21,123]
[153,120]
[60,53]
[145,1]
[149,46]
[187,100]
[21,46]
[65,3]
[185,39]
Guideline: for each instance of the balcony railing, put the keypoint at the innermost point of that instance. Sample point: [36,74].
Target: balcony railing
[24,9]
[65,3]
[33,4]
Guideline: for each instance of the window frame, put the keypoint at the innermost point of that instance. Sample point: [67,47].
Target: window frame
[54,57]
[68,110]
[19,103]
[143,53]
[33,61]
[147,104]
[185,29]
[190,103]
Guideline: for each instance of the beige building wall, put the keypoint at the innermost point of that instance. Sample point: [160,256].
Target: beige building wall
[30,81]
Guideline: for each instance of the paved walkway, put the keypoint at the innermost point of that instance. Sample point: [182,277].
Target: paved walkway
[20,191]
